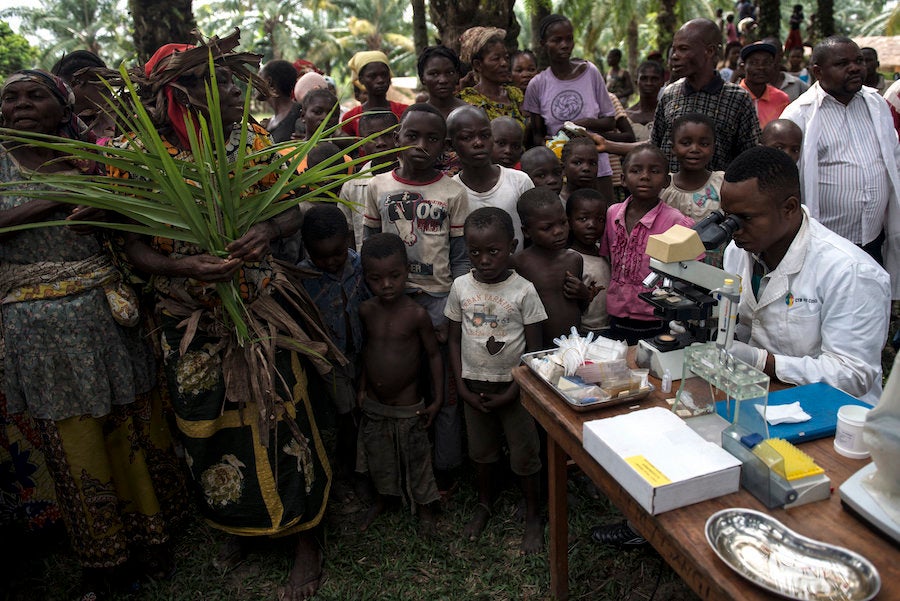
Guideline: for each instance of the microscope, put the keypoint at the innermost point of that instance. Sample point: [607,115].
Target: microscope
[702,298]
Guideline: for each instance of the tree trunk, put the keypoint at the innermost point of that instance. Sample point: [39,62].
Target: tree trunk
[453,17]
[825,17]
[631,45]
[420,29]
[666,22]
[540,11]
[159,22]
[770,18]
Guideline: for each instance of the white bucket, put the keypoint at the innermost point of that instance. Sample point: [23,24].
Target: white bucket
[848,437]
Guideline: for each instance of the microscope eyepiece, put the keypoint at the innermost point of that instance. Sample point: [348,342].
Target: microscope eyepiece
[716,229]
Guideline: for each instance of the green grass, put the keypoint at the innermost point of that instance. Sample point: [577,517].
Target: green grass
[387,562]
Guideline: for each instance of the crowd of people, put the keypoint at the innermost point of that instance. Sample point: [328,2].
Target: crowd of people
[474,237]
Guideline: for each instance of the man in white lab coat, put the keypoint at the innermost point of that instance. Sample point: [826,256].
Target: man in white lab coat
[814,307]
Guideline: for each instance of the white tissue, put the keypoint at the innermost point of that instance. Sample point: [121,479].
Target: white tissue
[792,413]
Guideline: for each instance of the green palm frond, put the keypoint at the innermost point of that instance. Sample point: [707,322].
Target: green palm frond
[210,201]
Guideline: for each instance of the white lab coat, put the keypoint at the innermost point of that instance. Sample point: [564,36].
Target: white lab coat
[805,112]
[823,314]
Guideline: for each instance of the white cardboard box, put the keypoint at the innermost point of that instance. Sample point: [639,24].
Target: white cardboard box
[660,460]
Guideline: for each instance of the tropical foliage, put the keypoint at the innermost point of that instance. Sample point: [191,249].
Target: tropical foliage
[15,51]
[67,25]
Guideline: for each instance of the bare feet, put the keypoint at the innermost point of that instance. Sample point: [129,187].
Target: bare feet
[427,522]
[376,509]
[230,554]
[533,541]
[478,523]
[306,575]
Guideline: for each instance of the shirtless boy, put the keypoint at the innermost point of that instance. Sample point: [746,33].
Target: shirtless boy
[555,271]
[393,433]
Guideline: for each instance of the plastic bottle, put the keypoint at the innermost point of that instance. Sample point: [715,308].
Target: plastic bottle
[666,385]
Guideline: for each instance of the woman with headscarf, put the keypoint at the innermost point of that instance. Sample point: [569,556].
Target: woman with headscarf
[485,50]
[81,377]
[371,71]
[245,417]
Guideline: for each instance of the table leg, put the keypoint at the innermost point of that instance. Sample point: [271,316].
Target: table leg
[559,522]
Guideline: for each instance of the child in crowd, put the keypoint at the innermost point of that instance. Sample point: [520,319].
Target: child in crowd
[650,80]
[784,135]
[579,161]
[354,191]
[337,289]
[618,80]
[393,438]
[624,242]
[794,39]
[622,132]
[495,316]
[488,185]
[509,138]
[586,210]
[543,167]
[372,71]
[554,270]
[795,64]
[523,65]
[319,104]
[427,209]
[694,189]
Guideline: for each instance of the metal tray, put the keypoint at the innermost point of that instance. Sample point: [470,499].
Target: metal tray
[576,404]
[771,555]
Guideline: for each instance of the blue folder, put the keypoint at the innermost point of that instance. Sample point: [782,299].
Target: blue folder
[819,400]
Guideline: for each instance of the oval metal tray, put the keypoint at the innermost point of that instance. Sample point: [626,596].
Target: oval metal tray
[771,555]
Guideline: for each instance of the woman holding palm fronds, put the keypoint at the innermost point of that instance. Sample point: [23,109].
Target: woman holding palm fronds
[246,419]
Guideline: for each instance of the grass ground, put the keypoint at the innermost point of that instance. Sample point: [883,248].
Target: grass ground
[388,562]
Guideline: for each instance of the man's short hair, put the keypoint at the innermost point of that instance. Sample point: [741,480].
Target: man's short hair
[323,221]
[382,246]
[823,49]
[773,169]
[488,217]
[534,200]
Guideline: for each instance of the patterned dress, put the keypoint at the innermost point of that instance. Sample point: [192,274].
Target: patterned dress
[250,479]
[79,400]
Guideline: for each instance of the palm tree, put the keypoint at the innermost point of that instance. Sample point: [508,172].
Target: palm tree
[15,51]
[69,25]
[158,22]
[453,17]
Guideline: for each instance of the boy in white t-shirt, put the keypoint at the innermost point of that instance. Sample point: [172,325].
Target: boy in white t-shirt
[495,316]
[470,134]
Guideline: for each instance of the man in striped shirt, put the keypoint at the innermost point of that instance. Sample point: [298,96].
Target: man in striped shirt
[850,155]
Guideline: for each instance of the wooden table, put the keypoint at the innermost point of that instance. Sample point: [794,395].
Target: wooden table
[678,535]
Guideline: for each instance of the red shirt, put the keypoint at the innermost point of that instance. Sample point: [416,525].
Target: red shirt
[770,105]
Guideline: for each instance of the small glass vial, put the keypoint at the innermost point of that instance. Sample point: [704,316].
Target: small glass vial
[666,385]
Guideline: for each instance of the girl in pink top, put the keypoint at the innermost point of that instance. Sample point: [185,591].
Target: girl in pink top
[628,226]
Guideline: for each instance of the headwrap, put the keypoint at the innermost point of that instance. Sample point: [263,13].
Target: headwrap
[73,128]
[306,84]
[304,66]
[474,39]
[361,59]
[159,77]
